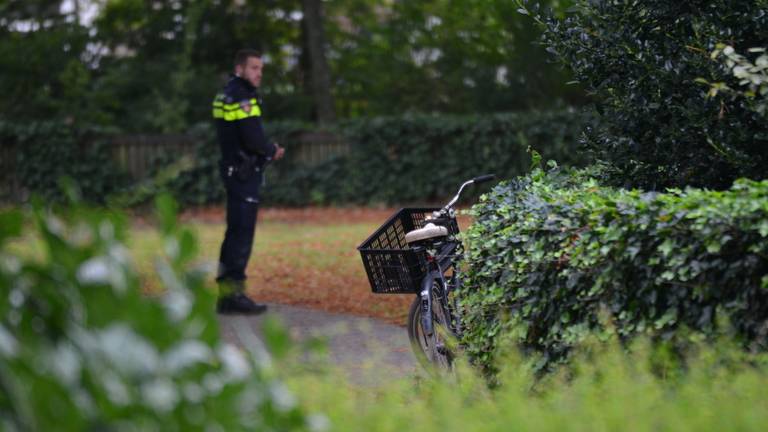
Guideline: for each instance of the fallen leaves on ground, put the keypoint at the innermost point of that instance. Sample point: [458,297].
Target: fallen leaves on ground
[306,257]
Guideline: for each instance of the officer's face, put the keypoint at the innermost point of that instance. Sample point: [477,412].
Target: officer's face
[251,70]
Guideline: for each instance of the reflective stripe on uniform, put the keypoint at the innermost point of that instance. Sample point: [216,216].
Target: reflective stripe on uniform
[234,111]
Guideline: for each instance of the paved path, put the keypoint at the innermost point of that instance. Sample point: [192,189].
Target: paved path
[367,349]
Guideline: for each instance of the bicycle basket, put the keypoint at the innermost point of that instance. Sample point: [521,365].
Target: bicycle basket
[391,265]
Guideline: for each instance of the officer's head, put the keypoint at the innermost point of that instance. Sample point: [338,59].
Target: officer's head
[248,66]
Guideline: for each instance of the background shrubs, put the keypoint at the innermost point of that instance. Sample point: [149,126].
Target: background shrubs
[412,158]
[418,158]
[50,150]
[554,256]
[648,62]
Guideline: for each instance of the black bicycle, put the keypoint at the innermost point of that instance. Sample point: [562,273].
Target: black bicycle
[417,251]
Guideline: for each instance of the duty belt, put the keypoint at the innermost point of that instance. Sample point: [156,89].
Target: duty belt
[232,169]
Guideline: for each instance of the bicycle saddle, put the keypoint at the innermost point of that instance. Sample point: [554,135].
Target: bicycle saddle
[429,231]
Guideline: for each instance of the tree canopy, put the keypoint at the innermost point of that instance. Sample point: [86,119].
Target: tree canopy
[140,65]
[648,63]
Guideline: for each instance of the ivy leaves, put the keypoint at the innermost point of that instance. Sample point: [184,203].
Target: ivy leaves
[553,257]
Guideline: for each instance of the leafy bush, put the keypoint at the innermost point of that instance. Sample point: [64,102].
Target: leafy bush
[642,60]
[753,77]
[201,183]
[392,160]
[192,180]
[419,158]
[551,252]
[50,150]
[82,349]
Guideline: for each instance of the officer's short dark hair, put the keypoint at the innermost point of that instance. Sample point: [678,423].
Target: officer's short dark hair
[242,56]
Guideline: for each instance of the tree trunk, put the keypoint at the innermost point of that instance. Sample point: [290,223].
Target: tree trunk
[314,38]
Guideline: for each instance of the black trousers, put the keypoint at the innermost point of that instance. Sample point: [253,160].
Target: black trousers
[242,211]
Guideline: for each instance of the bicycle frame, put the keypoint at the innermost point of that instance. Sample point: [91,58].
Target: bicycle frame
[437,273]
[426,301]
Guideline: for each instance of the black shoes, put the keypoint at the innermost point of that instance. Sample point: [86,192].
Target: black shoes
[239,303]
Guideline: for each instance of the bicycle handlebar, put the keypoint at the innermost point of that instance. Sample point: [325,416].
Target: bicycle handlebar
[478,180]
[483,178]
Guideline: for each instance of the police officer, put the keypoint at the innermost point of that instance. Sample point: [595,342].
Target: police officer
[245,152]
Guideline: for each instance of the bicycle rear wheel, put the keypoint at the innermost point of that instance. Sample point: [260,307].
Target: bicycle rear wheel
[430,350]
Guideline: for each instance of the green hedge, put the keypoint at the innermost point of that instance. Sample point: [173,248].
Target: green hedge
[553,256]
[412,158]
[417,158]
[47,151]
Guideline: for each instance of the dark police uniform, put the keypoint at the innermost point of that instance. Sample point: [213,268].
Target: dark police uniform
[245,152]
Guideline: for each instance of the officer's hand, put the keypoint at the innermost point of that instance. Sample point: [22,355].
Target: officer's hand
[280,152]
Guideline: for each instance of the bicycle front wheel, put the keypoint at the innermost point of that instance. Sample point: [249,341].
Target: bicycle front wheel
[430,349]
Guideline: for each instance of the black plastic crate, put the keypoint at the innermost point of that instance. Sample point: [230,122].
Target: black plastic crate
[392,266]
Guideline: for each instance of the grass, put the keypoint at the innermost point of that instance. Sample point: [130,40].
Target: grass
[605,390]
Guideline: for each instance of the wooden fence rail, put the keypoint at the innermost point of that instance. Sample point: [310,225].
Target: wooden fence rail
[136,155]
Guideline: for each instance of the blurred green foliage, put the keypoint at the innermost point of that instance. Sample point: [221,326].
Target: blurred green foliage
[642,61]
[752,76]
[47,151]
[607,387]
[81,348]
[422,158]
[459,56]
[553,256]
[154,66]
[414,158]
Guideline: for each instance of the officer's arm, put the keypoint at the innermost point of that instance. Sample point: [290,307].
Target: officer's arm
[253,138]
